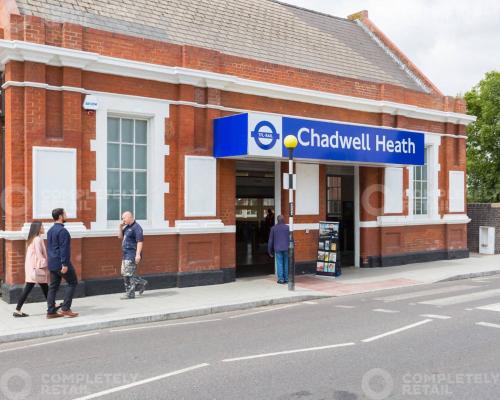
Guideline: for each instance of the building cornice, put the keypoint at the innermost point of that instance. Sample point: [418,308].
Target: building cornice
[14,50]
[78,230]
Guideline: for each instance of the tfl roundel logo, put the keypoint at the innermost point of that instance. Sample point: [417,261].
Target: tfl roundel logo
[265,135]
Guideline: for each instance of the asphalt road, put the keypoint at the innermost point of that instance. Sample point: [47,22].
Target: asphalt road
[424,342]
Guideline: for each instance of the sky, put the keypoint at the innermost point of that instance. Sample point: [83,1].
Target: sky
[453,42]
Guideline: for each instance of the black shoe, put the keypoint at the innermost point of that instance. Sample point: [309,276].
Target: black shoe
[19,314]
[281,282]
[127,297]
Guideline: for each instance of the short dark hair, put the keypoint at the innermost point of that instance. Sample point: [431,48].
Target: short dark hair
[57,212]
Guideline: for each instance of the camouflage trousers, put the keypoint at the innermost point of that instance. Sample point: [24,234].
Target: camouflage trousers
[131,280]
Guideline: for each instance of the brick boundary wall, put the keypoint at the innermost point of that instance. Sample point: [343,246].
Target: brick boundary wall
[482,214]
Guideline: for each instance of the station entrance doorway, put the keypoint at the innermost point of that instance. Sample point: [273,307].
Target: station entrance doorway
[255,216]
[340,208]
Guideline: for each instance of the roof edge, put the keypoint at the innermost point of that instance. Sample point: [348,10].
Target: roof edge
[308,10]
[362,18]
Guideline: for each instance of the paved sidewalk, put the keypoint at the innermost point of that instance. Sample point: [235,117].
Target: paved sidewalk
[362,280]
[157,305]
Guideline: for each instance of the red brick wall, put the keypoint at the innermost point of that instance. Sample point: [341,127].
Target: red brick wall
[412,239]
[306,245]
[102,256]
[14,259]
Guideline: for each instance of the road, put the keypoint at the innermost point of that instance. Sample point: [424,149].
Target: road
[425,342]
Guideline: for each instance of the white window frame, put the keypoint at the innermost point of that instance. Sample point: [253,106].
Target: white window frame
[432,143]
[155,111]
[134,170]
[423,200]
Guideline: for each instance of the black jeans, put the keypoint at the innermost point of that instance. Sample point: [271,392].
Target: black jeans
[55,282]
[27,290]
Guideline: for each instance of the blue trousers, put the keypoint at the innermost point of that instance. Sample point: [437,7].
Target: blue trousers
[282,264]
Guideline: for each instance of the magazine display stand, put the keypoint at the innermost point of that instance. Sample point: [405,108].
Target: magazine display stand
[328,261]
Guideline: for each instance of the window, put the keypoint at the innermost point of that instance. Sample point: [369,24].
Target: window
[420,183]
[334,196]
[127,145]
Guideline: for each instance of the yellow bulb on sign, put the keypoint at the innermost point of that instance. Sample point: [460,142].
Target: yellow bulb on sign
[291,142]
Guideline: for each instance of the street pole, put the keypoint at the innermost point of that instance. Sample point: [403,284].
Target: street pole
[290,143]
[291,248]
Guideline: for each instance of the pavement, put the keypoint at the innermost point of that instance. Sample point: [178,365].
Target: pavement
[429,341]
[107,311]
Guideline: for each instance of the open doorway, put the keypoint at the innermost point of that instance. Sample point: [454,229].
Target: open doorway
[255,215]
[340,207]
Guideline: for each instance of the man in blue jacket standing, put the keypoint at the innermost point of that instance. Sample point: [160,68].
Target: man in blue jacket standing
[279,240]
[59,257]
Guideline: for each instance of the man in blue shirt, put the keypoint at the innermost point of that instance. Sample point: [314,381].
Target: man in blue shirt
[59,260]
[130,232]
[279,241]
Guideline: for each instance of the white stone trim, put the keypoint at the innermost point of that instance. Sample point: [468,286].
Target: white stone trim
[45,86]
[277,190]
[306,227]
[70,194]
[25,51]
[456,191]
[357,224]
[155,112]
[208,208]
[404,220]
[192,225]
[79,231]
[456,218]
[393,190]
[307,190]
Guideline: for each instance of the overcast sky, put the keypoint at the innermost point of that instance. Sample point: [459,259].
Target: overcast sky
[454,42]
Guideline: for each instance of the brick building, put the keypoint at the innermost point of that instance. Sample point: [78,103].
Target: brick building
[160,73]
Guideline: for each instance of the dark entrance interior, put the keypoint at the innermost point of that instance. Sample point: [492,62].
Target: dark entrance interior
[340,207]
[254,197]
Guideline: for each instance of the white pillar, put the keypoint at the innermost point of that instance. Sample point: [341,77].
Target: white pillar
[277,189]
[357,242]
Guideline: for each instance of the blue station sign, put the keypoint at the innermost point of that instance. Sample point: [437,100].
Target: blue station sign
[261,135]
